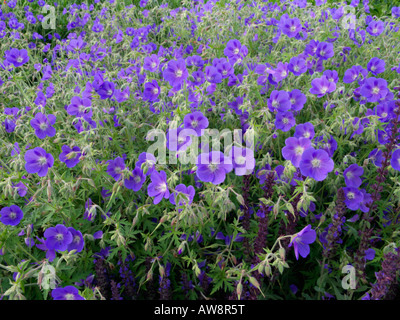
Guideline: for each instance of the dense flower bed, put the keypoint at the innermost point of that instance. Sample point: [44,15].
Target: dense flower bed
[219,150]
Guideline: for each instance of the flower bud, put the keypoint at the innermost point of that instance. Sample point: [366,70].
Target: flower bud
[239,290]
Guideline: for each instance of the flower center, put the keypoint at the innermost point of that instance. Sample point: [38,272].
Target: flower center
[194,123]
[374,30]
[296,68]
[236,51]
[384,114]
[77,239]
[42,160]
[13,215]
[19,59]
[59,236]
[299,151]
[178,73]
[43,126]
[306,134]
[375,90]
[350,195]
[117,169]
[212,167]
[349,175]
[137,179]
[316,163]
[240,160]
[285,120]
[71,155]
[162,187]
[69,296]
[293,28]
[324,89]
[153,65]
[155,91]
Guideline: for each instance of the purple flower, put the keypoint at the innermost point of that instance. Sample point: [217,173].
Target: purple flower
[375,28]
[294,149]
[213,167]
[290,27]
[136,181]
[367,198]
[158,188]
[235,51]
[77,240]
[90,210]
[70,156]
[21,188]
[115,167]
[121,95]
[376,66]
[305,130]
[370,254]
[324,50]
[352,175]
[175,72]
[353,198]
[106,90]
[198,77]
[396,12]
[311,47]
[196,121]
[301,241]
[16,150]
[181,188]
[352,74]
[297,99]
[284,121]
[11,216]
[38,161]
[151,63]
[78,107]
[331,75]
[9,122]
[58,238]
[17,57]
[322,86]
[151,91]
[66,293]
[98,234]
[297,66]
[374,89]
[212,75]
[149,160]
[280,72]
[316,164]
[243,160]
[179,139]
[329,145]
[395,160]
[279,100]
[225,69]
[43,125]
